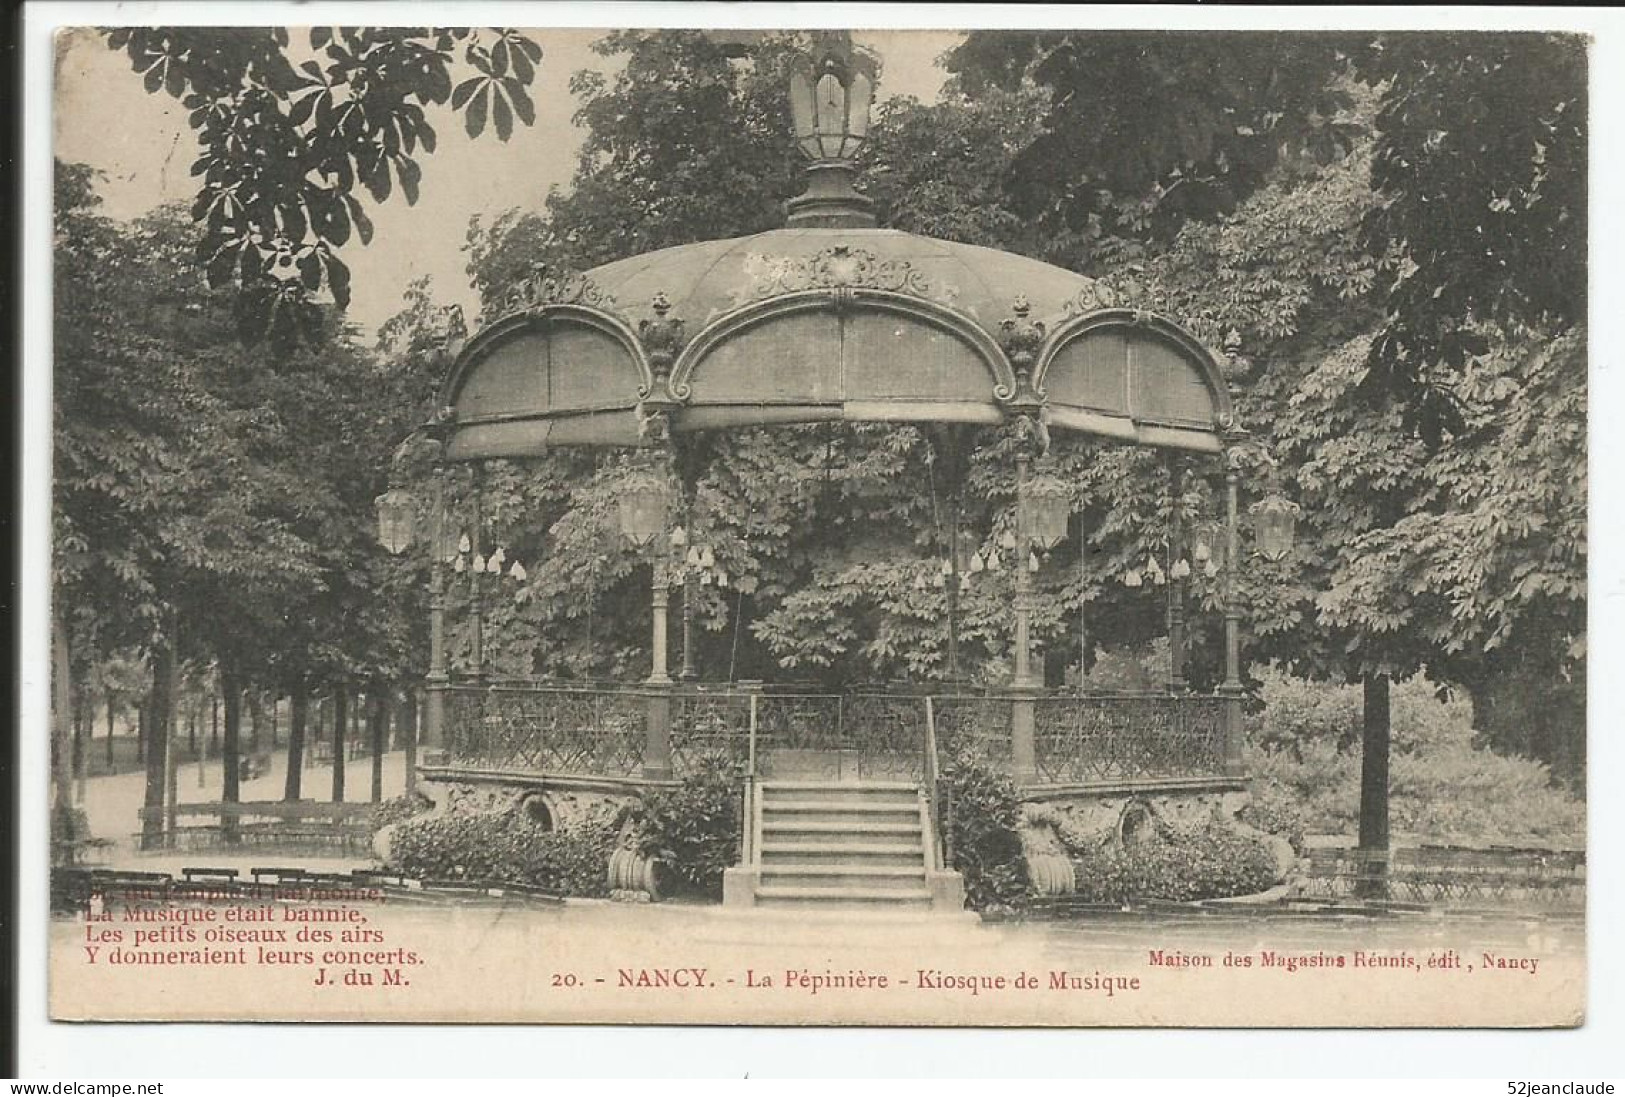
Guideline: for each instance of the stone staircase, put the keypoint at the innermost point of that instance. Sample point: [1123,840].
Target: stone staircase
[838,845]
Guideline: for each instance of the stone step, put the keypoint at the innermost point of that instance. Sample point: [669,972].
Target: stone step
[866,853]
[799,830]
[867,786]
[854,807]
[842,794]
[856,896]
[843,876]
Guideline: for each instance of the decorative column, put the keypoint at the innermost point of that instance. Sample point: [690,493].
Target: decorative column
[434,701]
[689,672]
[662,337]
[476,617]
[1023,676]
[1021,338]
[1231,689]
[660,602]
[1177,571]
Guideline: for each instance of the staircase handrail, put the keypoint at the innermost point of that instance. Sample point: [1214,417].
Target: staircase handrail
[937,839]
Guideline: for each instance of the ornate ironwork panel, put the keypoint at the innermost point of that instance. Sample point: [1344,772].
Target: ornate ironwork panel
[547,729]
[974,726]
[707,726]
[1106,738]
[888,733]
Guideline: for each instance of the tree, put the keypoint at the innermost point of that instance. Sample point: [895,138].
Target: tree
[211,491]
[1143,132]
[284,143]
[1481,165]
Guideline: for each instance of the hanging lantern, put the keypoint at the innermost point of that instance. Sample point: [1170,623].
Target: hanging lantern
[1180,570]
[1131,579]
[643,511]
[993,561]
[706,558]
[1275,521]
[395,520]
[722,578]
[497,559]
[479,565]
[977,563]
[1007,540]
[692,557]
[464,544]
[517,572]
[1032,561]
[1202,553]
[460,565]
[1043,511]
[1210,569]
[679,537]
[919,581]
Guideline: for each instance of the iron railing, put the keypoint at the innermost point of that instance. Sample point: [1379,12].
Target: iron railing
[551,729]
[1081,738]
[767,733]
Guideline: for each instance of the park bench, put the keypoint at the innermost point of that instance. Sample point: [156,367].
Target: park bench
[194,874]
[1445,873]
[72,844]
[272,824]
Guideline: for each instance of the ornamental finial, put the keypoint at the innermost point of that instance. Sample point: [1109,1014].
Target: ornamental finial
[662,338]
[1021,339]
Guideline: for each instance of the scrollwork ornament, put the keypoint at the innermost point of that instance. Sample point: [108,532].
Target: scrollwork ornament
[1093,297]
[654,427]
[841,267]
[1032,434]
[546,286]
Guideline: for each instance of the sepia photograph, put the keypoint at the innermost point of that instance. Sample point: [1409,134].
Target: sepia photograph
[818,526]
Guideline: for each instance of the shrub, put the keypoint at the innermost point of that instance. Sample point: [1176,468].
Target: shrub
[506,847]
[398,809]
[1299,713]
[984,835]
[694,828]
[1274,809]
[1208,863]
[1449,792]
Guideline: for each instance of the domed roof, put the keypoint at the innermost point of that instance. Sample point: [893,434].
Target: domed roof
[828,318]
[804,324]
[702,281]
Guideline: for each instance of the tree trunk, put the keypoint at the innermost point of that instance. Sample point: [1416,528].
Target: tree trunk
[407,724]
[157,752]
[378,721]
[341,724]
[111,709]
[298,713]
[256,717]
[171,718]
[214,724]
[81,717]
[231,750]
[142,710]
[61,727]
[1374,743]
